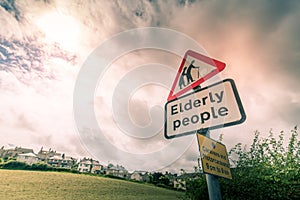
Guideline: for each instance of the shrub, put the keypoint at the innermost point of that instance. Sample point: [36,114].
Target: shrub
[114,177]
[40,167]
[197,188]
[267,170]
[12,164]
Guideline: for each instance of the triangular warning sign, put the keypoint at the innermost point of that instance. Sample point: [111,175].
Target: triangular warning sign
[194,69]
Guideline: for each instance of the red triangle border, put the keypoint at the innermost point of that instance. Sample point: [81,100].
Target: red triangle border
[220,66]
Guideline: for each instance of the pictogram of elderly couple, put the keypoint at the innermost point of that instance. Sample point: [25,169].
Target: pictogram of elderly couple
[186,76]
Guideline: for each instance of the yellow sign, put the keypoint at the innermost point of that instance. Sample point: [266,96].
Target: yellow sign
[214,157]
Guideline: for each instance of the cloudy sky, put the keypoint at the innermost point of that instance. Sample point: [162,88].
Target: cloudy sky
[45,45]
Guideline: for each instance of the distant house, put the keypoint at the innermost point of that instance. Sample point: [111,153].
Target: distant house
[97,168]
[141,176]
[180,181]
[56,159]
[44,155]
[6,153]
[61,161]
[68,162]
[29,158]
[2,150]
[88,165]
[117,171]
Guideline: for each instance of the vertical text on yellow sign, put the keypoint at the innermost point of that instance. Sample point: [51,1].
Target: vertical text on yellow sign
[214,157]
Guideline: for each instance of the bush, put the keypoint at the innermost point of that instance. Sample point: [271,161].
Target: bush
[267,170]
[40,167]
[114,177]
[12,164]
[197,188]
[59,169]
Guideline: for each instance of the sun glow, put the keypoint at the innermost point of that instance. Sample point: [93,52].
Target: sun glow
[62,29]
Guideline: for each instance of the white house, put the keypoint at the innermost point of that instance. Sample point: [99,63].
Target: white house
[28,158]
[118,171]
[140,176]
[55,161]
[87,165]
[61,161]
[180,181]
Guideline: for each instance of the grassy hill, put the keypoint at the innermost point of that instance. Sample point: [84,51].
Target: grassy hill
[17,184]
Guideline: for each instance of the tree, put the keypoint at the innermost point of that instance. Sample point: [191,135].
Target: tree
[157,177]
[91,166]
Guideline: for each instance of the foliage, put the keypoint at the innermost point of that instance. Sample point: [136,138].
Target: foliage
[75,166]
[17,165]
[40,166]
[6,158]
[12,164]
[113,177]
[164,180]
[157,177]
[197,188]
[267,170]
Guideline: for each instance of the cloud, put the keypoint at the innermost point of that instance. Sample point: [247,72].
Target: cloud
[10,7]
[257,39]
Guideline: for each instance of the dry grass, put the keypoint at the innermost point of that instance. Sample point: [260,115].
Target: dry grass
[17,184]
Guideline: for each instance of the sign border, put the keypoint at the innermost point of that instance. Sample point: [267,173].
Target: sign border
[203,130]
[202,159]
[220,66]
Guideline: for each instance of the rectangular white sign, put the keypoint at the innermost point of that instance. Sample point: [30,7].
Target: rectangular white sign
[215,106]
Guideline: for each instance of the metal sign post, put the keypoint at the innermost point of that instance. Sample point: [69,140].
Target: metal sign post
[213,185]
[212,181]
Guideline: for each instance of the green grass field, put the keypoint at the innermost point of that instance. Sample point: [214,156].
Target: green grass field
[17,184]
